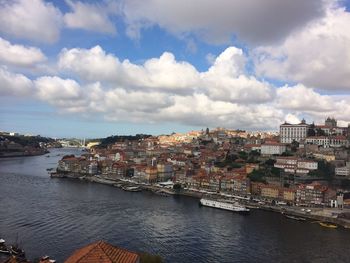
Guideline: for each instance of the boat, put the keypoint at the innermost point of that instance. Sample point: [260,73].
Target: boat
[234,207]
[295,217]
[132,188]
[3,247]
[328,225]
[15,250]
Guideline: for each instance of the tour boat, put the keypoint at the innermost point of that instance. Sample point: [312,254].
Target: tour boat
[234,207]
[328,225]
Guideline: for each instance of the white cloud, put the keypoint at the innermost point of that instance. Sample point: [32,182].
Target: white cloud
[34,20]
[254,21]
[19,55]
[90,64]
[166,90]
[293,119]
[302,98]
[225,80]
[53,89]
[91,16]
[160,73]
[12,84]
[317,56]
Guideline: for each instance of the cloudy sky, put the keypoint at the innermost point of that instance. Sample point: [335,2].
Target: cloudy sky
[96,68]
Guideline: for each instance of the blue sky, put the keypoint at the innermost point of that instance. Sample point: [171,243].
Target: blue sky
[96,68]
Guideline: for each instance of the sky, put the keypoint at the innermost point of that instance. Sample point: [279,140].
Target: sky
[98,68]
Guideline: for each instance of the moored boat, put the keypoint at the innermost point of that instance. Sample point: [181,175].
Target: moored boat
[295,217]
[234,207]
[3,248]
[328,225]
[132,188]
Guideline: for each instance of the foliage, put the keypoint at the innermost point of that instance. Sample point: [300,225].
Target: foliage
[287,154]
[254,153]
[270,162]
[294,146]
[121,138]
[325,170]
[320,132]
[243,155]
[257,176]
[32,141]
[275,171]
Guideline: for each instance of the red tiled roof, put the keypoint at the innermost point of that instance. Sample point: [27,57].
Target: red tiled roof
[102,252]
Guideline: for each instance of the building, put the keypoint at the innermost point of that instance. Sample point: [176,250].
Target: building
[343,171]
[328,141]
[273,148]
[294,165]
[318,140]
[293,132]
[330,122]
[312,194]
[103,252]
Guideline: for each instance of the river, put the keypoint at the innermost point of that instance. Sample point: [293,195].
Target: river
[56,216]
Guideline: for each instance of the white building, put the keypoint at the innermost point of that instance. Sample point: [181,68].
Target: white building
[318,140]
[293,132]
[343,171]
[295,165]
[327,141]
[271,148]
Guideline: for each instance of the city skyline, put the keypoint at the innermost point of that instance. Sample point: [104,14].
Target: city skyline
[97,68]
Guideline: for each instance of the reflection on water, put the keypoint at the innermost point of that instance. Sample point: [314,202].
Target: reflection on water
[57,216]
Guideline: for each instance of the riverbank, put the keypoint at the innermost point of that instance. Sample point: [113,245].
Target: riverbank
[310,214]
[22,154]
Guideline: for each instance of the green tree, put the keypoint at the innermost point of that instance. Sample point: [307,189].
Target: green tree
[257,176]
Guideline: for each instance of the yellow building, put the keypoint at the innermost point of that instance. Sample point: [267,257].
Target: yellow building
[270,192]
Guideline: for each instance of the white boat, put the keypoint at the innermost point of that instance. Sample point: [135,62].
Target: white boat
[234,207]
[3,247]
[132,189]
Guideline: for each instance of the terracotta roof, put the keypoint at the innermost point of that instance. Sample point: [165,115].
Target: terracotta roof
[102,252]
[13,259]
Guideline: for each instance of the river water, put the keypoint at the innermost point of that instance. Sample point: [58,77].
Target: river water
[56,216]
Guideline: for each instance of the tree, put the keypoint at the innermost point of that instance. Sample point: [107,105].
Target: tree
[257,176]
[311,130]
[243,155]
[270,162]
[325,170]
[320,132]
[294,146]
